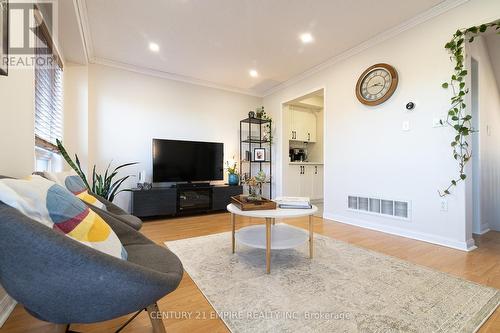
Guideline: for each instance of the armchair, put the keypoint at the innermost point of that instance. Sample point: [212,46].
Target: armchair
[62,281]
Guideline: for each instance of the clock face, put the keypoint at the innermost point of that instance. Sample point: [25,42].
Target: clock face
[376,84]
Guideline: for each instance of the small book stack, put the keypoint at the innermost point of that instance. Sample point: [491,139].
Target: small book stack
[293,202]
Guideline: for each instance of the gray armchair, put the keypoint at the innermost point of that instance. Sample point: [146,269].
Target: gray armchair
[62,281]
[119,213]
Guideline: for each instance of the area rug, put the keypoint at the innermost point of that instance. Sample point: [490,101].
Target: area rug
[344,288]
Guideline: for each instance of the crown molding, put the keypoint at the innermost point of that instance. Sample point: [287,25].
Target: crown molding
[437,10]
[83,25]
[388,34]
[171,76]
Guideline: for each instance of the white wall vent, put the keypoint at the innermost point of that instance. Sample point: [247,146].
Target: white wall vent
[399,209]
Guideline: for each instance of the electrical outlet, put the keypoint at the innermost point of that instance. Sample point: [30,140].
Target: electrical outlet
[444,205]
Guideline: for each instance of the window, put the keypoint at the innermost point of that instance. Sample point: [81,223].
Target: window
[48,98]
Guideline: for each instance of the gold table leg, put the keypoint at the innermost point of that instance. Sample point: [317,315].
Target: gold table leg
[311,233]
[233,222]
[268,245]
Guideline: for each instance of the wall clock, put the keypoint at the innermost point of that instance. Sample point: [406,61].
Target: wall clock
[376,84]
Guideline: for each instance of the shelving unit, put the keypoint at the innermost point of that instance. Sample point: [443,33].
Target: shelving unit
[247,143]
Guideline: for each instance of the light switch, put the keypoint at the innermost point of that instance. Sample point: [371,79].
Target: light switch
[406,125]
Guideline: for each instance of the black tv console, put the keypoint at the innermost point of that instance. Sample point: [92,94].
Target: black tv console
[182,199]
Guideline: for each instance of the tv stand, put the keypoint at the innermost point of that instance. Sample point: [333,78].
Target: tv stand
[182,199]
[191,185]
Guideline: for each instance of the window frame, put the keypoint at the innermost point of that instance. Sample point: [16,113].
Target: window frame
[44,150]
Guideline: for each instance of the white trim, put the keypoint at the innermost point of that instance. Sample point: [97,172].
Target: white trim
[455,244]
[78,12]
[392,32]
[170,76]
[83,25]
[483,231]
[7,305]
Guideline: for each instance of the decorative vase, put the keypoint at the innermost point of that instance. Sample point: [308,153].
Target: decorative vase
[233,179]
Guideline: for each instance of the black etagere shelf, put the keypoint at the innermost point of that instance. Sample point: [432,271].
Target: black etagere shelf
[255,126]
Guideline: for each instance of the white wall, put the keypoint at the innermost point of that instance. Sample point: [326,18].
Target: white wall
[489,137]
[367,153]
[17,100]
[127,110]
[494,51]
[17,141]
[76,136]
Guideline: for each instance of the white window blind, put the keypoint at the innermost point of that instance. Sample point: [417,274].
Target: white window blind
[48,92]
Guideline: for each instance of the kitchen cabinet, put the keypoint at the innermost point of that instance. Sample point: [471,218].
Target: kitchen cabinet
[302,125]
[305,181]
[317,182]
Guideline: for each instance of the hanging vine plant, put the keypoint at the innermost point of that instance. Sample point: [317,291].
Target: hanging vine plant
[457,117]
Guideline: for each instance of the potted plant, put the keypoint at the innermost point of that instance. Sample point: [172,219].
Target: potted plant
[254,185]
[102,185]
[233,177]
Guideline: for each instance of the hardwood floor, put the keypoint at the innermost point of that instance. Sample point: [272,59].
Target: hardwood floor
[188,311]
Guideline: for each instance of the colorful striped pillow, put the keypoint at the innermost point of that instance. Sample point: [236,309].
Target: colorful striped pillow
[75,185]
[55,207]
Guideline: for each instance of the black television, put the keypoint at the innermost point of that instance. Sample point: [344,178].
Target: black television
[187,161]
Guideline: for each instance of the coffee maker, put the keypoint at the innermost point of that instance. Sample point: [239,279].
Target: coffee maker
[297,155]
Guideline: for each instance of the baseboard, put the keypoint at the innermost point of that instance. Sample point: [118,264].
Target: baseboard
[482,231]
[7,304]
[463,246]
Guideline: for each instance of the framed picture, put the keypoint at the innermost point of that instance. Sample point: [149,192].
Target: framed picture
[259,154]
[4,37]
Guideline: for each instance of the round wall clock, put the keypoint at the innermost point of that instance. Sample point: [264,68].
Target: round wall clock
[376,84]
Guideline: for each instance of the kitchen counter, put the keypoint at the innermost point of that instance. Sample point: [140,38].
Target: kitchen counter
[305,163]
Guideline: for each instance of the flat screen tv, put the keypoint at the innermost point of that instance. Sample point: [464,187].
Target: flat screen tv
[187,161]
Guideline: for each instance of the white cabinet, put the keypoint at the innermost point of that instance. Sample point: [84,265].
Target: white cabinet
[292,186]
[305,181]
[306,184]
[302,125]
[317,181]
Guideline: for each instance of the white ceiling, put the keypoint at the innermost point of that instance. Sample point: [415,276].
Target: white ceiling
[219,41]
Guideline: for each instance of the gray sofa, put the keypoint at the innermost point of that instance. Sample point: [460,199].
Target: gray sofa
[62,281]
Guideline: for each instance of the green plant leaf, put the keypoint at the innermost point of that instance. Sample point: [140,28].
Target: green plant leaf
[115,187]
[445,85]
[70,162]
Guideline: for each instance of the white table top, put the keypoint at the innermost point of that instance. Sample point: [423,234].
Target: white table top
[272,213]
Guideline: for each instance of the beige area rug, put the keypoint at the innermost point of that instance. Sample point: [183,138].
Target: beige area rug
[343,289]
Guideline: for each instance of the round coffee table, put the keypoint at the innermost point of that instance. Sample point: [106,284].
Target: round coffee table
[283,236]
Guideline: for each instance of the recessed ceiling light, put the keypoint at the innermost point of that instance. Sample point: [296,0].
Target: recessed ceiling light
[154,47]
[253,73]
[306,38]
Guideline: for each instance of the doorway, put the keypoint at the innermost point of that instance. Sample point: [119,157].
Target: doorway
[476,168]
[303,145]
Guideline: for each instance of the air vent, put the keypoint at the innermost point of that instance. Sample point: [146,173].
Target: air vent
[399,209]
